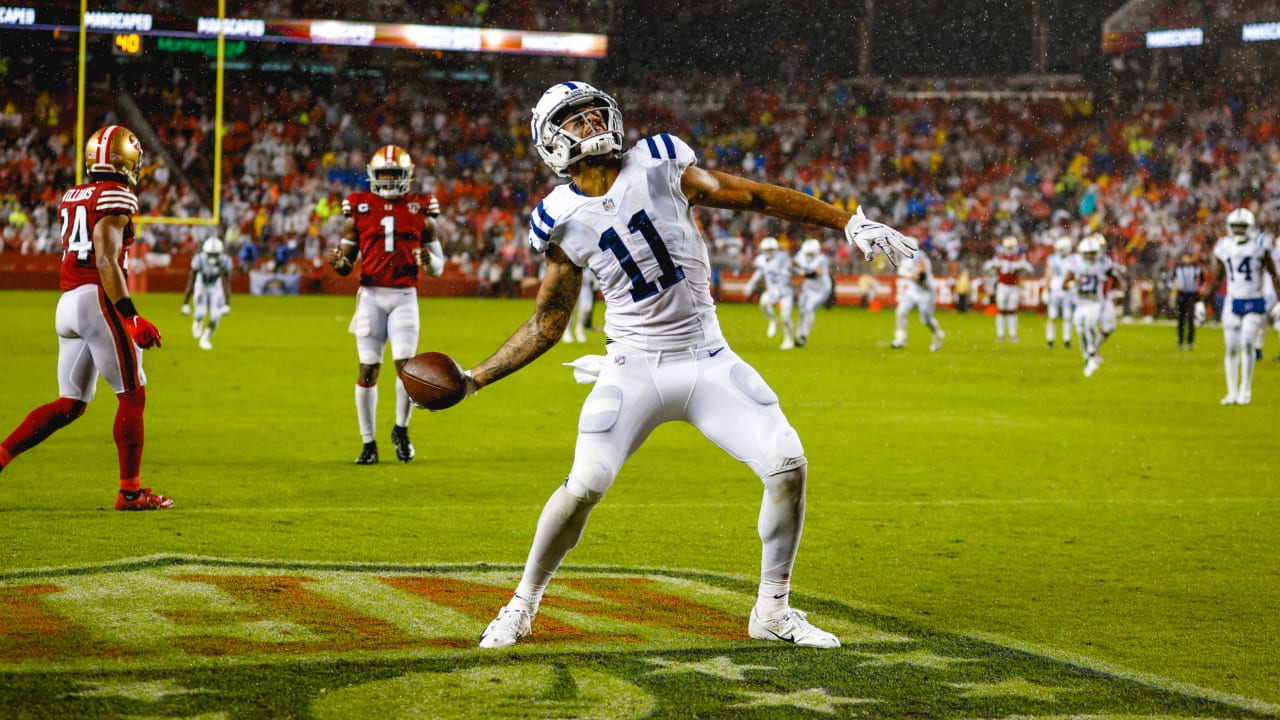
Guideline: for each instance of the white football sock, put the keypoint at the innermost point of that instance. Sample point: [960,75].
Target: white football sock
[780,525]
[404,406]
[559,528]
[366,411]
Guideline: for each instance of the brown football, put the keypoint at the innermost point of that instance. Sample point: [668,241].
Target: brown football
[433,380]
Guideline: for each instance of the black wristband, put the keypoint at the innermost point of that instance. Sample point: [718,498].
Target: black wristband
[126,308]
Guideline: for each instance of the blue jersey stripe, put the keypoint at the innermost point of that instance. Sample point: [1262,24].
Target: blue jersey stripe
[671,147]
[542,215]
[653,148]
[542,234]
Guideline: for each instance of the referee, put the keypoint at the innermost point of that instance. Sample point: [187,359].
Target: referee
[1185,279]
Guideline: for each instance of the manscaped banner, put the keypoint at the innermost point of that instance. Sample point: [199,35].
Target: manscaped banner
[173,636]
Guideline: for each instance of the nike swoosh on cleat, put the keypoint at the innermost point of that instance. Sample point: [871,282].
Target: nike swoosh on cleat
[715,352]
[779,597]
[784,638]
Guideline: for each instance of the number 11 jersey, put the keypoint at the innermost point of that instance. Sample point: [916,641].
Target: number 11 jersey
[642,242]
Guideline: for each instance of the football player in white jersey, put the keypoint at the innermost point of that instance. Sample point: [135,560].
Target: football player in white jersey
[916,291]
[1244,258]
[1060,301]
[777,299]
[814,268]
[210,283]
[1007,265]
[1088,275]
[628,216]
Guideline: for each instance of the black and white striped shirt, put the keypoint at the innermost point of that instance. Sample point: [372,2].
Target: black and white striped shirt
[1186,278]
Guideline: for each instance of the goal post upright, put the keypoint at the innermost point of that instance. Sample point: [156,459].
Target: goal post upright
[218,129]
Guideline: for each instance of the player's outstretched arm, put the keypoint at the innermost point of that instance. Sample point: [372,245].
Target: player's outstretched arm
[712,188]
[556,298]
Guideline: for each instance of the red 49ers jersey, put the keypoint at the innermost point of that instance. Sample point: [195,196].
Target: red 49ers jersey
[82,207]
[1007,267]
[388,230]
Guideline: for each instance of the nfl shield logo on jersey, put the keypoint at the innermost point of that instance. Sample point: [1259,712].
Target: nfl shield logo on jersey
[414,207]
[608,204]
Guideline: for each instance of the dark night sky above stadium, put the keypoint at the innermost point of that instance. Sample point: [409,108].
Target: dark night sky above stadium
[912,37]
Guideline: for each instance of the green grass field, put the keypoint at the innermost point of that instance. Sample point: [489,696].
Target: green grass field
[991,533]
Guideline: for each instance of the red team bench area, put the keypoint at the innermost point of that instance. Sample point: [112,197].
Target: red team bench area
[40,272]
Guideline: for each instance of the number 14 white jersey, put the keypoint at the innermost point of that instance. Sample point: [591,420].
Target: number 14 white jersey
[641,241]
[1246,275]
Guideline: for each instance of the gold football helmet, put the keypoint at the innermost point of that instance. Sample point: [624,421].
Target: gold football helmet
[390,171]
[114,149]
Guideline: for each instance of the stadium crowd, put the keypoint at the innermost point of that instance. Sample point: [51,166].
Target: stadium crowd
[1157,177]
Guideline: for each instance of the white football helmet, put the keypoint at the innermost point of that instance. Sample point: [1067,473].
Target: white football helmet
[811,247]
[1063,246]
[1241,223]
[1009,244]
[1091,245]
[768,246]
[212,246]
[562,103]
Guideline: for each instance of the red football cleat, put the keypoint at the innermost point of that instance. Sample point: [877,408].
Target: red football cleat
[144,501]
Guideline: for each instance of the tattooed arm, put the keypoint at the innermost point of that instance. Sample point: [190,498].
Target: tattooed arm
[556,298]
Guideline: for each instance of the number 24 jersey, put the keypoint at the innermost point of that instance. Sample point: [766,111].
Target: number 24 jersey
[641,241]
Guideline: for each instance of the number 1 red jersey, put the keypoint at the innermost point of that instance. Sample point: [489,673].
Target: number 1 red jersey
[82,207]
[388,230]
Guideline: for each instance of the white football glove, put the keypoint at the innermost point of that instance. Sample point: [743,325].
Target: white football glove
[869,236]
[185,309]
[433,207]
[1200,312]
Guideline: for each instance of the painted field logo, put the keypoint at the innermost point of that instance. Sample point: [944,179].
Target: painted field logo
[187,637]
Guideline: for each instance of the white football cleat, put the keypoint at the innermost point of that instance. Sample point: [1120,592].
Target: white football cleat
[793,627]
[197,327]
[1244,397]
[936,345]
[204,342]
[1091,366]
[511,624]
[582,335]
[773,329]
[1230,399]
[788,343]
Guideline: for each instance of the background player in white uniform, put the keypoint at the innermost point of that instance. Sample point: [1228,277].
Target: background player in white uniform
[1060,301]
[917,291]
[583,310]
[1244,257]
[210,285]
[1088,276]
[1006,266]
[814,268]
[777,300]
[628,217]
